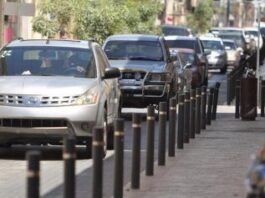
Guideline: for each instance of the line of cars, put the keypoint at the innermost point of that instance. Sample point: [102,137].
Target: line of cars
[50,88]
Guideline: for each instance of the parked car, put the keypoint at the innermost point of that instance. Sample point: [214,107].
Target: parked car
[217,57]
[172,30]
[50,88]
[233,52]
[148,75]
[191,43]
[253,34]
[238,38]
[189,68]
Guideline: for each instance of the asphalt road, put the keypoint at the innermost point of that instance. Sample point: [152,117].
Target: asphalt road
[13,165]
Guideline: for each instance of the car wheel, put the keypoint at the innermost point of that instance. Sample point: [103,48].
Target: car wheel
[5,145]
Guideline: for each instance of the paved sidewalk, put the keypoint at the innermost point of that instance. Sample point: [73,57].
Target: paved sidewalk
[212,165]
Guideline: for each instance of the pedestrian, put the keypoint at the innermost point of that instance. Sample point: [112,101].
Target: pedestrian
[256,176]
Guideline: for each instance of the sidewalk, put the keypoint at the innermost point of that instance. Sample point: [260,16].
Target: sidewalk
[212,165]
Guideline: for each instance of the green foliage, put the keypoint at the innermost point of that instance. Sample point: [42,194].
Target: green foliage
[97,18]
[200,21]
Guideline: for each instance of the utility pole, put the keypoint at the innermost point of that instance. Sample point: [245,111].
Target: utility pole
[227,13]
[1,23]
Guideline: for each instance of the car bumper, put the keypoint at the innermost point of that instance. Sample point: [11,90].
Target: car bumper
[141,96]
[49,122]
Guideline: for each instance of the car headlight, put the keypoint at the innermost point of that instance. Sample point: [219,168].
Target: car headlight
[159,77]
[90,97]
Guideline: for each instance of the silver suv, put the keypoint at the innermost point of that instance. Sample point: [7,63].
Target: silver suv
[48,86]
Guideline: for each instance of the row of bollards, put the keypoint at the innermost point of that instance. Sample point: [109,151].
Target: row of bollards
[194,112]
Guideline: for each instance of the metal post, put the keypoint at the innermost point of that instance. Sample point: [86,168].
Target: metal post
[262,98]
[136,152]
[1,23]
[150,140]
[69,156]
[187,118]
[192,113]
[33,174]
[198,111]
[203,101]
[97,150]
[209,107]
[237,112]
[228,90]
[180,137]
[215,100]
[118,158]
[172,128]
[258,56]
[162,133]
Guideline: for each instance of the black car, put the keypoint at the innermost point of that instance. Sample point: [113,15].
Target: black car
[170,30]
[148,75]
[193,43]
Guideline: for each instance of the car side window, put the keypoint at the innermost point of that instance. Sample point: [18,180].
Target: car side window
[102,61]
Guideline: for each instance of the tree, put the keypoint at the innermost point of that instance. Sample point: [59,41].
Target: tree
[200,21]
[97,19]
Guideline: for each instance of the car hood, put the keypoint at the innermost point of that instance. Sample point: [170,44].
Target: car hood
[217,52]
[139,65]
[45,85]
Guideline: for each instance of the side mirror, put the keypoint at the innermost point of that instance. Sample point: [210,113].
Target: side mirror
[187,66]
[173,56]
[207,52]
[112,72]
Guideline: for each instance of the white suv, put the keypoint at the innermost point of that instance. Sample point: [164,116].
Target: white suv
[48,86]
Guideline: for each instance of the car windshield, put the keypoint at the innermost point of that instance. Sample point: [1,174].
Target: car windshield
[251,33]
[134,50]
[167,31]
[47,61]
[230,45]
[190,44]
[187,58]
[212,45]
[235,37]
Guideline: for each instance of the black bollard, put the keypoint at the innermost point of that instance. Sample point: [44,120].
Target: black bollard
[262,98]
[192,113]
[237,97]
[33,174]
[180,136]
[69,156]
[215,100]
[162,133]
[203,101]
[97,156]
[136,151]
[210,106]
[187,117]
[172,127]
[150,140]
[198,111]
[118,158]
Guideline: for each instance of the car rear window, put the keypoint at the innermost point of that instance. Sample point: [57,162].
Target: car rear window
[47,61]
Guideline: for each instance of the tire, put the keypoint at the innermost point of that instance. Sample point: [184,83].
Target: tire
[5,145]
